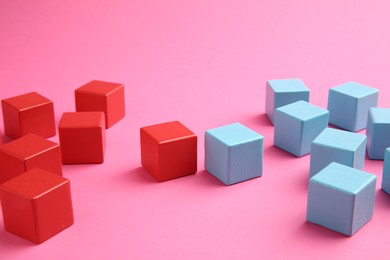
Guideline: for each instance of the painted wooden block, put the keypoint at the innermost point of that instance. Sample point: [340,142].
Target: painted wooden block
[36,205]
[28,113]
[296,126]
[378,129]
[281,92]
[28,152]
[102,96]
[233,153]
[341,198]
[82,137]
[348,105]
[333,145]
[168,150]
[386,172]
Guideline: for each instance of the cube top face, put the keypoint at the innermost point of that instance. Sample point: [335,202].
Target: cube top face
[355,90]
[339,139]
[97,87]
[234,134]
[287,85]
[82,120]
[167,132]
[343,178]
[35,183]
[26,101]
[379,115]
[27,146]
[302,110]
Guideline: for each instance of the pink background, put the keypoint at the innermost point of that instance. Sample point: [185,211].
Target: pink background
[204,63]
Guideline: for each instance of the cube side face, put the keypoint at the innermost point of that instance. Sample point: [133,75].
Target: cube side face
[364,206]
[11,121]
[322,156]
[216,158]
[311,129]
[270,102]
[53,212]
[49,160]
[177,158]
[342,110]
[285,98]
[149,153]
[10,166]
[38,120]
[82,145]
[288,133]
[330,208]
[115,106]
[360,155]
[362,110]
[378,140]
[386,172]
[86,102]
[18,215]
[245,161]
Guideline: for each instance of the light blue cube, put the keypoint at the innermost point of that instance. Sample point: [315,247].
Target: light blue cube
[233,153]
[281,92]
[378,132]
[348,105]
[333,145]
[341,198]
[296,126]
[386,172]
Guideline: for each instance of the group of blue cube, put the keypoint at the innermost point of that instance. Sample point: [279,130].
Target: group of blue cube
[341,195]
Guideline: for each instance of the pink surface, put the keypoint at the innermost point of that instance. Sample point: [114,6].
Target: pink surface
[204,63]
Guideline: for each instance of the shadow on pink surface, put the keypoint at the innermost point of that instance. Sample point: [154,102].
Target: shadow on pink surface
[310,230]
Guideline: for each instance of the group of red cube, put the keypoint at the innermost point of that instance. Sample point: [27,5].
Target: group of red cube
[35,198]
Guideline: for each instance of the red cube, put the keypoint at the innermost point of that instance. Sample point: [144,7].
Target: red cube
[168,150]
[102,96]
[36,205]
[28,152]
[82,137]
[28,113]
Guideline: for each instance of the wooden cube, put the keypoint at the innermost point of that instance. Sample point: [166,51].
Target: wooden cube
[82,137]
[102,96]
[28,152]
[168,150]
[36,205]
[28,113]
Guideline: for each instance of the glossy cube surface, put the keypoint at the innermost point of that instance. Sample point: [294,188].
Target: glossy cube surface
[82,137]
[28,113]
[334,145]
[28,152]
[281,92]
[341,198]
[36,205]
[378,129]
[296,126]
[348,105]
[102,96]
[168,150]
[233,153]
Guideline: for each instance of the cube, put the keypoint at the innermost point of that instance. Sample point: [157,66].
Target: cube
[378,129]
[341,198]
[82,137]
[386,172]
[334,145]
[233,153]
[348,105]
[281,92]
[296,126]
[36,205]
[28,152]
[168,150]
[28,113]
[102,96]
